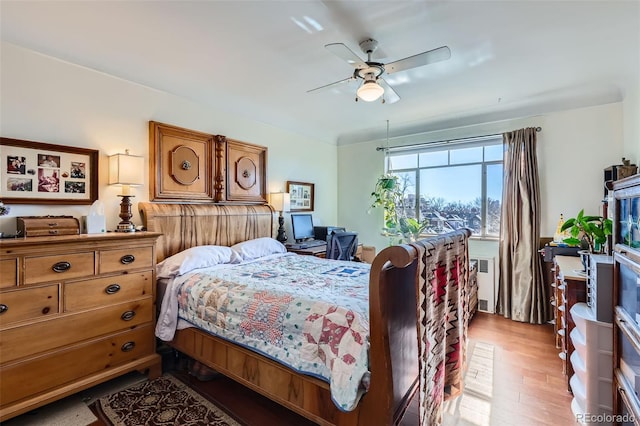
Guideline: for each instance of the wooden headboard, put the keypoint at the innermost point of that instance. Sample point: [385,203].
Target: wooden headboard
[187,225]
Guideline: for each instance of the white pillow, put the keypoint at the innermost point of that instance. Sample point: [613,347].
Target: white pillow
[195,258]
[253,249]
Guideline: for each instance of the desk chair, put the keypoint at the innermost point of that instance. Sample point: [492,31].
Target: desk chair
[342,245]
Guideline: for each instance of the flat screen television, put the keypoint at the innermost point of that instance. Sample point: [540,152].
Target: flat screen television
[302,225]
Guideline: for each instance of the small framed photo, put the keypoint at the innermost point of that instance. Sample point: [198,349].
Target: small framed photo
[42,173]
[301,195]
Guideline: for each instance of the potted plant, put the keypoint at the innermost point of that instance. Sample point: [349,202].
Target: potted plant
[592,230]
[389,193]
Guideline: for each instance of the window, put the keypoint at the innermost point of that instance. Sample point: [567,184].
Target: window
[453,184]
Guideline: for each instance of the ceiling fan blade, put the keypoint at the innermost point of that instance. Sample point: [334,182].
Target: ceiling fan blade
[335,83]
[436,55]
[343,52]
[390,95]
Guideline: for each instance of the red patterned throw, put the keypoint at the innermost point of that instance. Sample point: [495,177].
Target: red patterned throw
[443,316]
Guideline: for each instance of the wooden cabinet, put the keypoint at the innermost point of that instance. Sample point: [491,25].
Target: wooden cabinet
[246,166]
[626,293]
[571,288]
[190,166]
[74,311]
[180,163]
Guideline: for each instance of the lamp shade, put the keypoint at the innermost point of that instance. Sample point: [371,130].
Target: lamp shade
[370,91]
[280,201]
[125,169]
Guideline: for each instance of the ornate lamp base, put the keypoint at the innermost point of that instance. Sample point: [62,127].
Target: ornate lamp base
[125,224]
[282,235]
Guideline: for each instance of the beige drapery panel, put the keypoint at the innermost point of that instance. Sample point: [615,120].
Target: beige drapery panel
[521,292]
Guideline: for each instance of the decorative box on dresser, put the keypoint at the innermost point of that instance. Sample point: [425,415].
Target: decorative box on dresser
[592,338]
[75,311]
[626,333]
[570,289]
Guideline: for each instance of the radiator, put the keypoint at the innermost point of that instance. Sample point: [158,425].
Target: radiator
[486,283]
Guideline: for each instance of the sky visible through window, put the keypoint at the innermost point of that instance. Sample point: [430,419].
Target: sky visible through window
[444,187]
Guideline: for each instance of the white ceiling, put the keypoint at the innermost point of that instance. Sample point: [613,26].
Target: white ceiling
[508,58]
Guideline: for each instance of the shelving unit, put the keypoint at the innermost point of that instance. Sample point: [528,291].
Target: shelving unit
[626,293]
[571,288]
[592,338]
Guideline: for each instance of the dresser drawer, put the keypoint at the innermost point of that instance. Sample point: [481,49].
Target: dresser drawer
[58,267]
[98,292]
[29,303]
[43,336]
[21,379]
[125,259]
[8,272]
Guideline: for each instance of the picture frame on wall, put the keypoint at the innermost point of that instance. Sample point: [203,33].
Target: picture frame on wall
[43,173]
[301,195]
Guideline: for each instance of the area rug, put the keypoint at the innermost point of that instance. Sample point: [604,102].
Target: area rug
[162,401]
[473,407]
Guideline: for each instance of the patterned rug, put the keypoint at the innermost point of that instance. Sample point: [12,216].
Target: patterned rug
[162,401]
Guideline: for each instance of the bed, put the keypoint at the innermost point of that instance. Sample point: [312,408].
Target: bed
[394,372]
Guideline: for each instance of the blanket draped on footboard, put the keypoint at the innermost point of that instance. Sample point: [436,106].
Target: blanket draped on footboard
[443,315]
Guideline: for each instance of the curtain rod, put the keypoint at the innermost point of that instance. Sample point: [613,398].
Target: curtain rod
[381,148]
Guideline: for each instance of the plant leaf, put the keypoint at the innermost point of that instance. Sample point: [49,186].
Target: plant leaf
[568,224]
[572,241]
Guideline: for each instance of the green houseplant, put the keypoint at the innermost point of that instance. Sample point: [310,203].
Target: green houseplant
[593,230]
[389,194]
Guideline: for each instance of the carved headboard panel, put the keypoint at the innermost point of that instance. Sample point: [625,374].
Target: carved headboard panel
[187,225]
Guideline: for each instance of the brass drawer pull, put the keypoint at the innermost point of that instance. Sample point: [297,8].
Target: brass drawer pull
[128,347]
[3,308]
[53,231]
[53,224]
[128,316]
[127,259]
[112,289]
[61,267]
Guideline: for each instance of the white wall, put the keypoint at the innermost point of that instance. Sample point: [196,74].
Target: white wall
[45,100]
[574,147]
[631,112]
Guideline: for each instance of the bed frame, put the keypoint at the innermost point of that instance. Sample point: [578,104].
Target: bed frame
[393,351]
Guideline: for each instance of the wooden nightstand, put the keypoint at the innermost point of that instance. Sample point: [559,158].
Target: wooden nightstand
[75,311]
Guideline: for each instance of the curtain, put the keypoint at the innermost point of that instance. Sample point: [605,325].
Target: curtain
[442,320]
[521,291]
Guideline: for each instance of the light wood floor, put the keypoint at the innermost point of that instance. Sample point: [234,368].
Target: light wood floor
[528,387]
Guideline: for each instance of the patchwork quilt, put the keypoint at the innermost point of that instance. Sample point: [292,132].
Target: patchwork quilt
[307,313]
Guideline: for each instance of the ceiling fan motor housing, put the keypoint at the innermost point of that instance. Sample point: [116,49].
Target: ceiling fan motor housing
[369,46]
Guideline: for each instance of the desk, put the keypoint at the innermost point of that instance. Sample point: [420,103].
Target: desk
[320,251]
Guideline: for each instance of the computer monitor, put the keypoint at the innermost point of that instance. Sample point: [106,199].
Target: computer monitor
[302,225]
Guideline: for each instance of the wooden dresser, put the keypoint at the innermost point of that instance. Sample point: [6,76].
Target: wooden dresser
[75,311]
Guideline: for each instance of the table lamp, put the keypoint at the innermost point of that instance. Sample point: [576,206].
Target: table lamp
[126,170]
[280,201]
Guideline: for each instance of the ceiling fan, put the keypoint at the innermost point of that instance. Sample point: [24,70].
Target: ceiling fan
[373,85]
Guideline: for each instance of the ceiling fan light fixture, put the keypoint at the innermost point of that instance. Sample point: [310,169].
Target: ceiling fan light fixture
[370,91]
